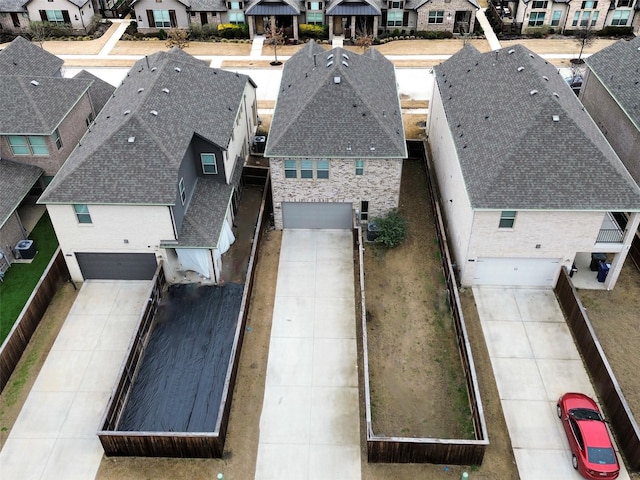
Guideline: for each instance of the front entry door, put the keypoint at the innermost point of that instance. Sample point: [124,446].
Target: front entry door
[15,20]
[203,18]
[259,25]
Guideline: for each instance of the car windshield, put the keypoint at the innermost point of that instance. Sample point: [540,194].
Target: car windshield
[601,456]
[585,414]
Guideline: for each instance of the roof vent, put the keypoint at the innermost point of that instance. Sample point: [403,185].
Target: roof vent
[345,63]
[35,83]
[531,55]
[372,147]
[165,90]
[154,113]
[533,92]
[545,78]
[330,56]
[127,112]
[520,69]
[153,69]
[131,139]
[349,147]
[336,80]
[140,90]
[329,63]
[556,118]
[345,56]
[556,94]
[177,69]
[512,51]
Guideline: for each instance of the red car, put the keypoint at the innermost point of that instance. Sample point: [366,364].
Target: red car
[591,446]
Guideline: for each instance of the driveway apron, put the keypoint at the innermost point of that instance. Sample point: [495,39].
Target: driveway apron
[534,360]
[54,436]
[309,426]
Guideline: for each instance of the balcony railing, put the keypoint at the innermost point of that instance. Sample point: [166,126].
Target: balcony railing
[610,235]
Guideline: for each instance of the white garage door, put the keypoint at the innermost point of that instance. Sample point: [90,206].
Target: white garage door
[524,272]
[317,215]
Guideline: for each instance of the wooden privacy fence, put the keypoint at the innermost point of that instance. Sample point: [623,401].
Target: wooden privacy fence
[178,444]
[618,412]
[14,345]
[426,450]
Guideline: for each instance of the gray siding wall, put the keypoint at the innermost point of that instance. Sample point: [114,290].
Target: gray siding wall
[190,175]
[380,186]
[616,126]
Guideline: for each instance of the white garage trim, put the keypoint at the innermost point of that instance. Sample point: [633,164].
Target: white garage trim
[317,215]
[517,272]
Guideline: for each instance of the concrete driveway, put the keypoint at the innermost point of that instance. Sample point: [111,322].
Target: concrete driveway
[309,426]
[534,361]
[54,436]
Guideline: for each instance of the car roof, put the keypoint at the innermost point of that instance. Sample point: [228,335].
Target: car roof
[595,433]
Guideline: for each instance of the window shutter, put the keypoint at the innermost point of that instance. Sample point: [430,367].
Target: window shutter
[405,18]
[172,18]
[43,15]
[150,19]
[65,16]
[384,17]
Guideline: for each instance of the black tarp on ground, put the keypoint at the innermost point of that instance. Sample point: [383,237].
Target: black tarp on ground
[181,378]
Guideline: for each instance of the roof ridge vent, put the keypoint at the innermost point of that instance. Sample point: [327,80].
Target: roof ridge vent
[154,113]
[520,69]
[329,63]
[533,92]
[556,118]
[512,51]
[345,64]
[345,56]
[165,90]
[131,139]
[330,56]
[127,112]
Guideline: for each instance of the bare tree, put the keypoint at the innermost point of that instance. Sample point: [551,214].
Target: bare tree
[275,37]
[40,32]
[177,38]
[585,38]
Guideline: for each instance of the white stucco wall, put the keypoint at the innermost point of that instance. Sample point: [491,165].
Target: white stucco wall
[141,7]
[143,226]
[34,7]
[243,130]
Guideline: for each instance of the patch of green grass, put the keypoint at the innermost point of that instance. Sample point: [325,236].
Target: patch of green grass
[21,278]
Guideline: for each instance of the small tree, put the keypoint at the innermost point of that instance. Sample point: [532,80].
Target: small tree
[40,32]
[585,38]
[392,229]
[177,38]
[274,36]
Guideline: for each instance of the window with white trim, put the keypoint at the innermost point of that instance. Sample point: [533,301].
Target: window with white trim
[290,169]
[82,213]
[555,18]
[236,12]
[536,19]
[315,18]
[29,145]
[359,167]
[589,5]
[394,18]
[322,168]
[436,16]
[57,139]
[161,19]
[307,169]
[55,16]
[620,18]
[209,164]
[183,191]
[539,4]
[507,219]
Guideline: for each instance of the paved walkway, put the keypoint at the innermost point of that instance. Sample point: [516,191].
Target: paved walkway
[489,34]
[534,361]
[309,427]
[115,38]
[54,437]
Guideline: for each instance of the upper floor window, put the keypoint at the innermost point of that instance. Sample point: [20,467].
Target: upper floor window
[89,120]
[359,167]
[290,169]
[82,213]
[625,3]
[315,18]
[395,5]
[555,18]
[539,4]
[306,168]
[183,191]
[536,19]
[209,165]
[589,4]
[235,5]
[29,145]
[620,17]
[436,16]
[588,17]
[507,219]
[314,5]
[322,168]
[57,139]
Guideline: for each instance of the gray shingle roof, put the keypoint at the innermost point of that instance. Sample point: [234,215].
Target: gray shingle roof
[208,5]
[37,109]
[21,57]
[106,168]
[259,7]
[354,7]
[16,179]
[99,91]
[13,5]
[512,152]
[359,117]
[415,4]
[618,69]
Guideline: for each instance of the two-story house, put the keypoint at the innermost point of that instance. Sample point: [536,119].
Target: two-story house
[157,177]
[527,182]
[336,142]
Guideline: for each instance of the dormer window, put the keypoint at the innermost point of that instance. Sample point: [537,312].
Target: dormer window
[209,164]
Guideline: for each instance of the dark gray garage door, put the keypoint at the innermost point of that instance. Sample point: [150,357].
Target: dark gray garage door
[317,215]
[117,266]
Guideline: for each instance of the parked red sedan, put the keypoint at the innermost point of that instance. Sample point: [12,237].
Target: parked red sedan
[591,446]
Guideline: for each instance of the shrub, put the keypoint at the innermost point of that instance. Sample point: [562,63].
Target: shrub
[162,34]
[431,34]
[232,30]
[313,31]
[613,31]
[396,32]
[392,229]
[132,28]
